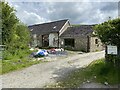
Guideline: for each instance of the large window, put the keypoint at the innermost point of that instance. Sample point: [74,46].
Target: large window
[69,42]
[45,40]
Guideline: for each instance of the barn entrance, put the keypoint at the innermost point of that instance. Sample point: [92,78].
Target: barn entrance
[69,42]
[45,40]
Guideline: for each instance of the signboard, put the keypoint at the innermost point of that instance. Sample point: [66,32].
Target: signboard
[112,50]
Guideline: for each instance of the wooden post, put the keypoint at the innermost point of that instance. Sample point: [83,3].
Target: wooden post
[111,54]
[118,50]
[118,62]
[106,54]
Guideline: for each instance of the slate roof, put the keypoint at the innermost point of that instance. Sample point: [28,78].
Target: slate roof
[82,30]
[47,28]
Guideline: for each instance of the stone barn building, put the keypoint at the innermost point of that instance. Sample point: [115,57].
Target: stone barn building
[62,34]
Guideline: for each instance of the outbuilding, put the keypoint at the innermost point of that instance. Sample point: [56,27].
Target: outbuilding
[61,34]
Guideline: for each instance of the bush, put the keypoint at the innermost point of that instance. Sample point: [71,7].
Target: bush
[113,60]
[7,55]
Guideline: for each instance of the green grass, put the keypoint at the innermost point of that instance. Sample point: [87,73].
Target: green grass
[0,66]
[98,69]
[16,62]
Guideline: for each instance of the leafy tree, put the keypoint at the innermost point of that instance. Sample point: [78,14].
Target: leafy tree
[0,24]
[9,20]
[22,35]
[109,33]
[15,35]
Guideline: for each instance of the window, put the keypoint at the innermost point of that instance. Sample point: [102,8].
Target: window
[96,41]
[45,40]
[69,42]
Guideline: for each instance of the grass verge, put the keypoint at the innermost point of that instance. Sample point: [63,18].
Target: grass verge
[16,62]
[20,61]
[98,71]
[12,65]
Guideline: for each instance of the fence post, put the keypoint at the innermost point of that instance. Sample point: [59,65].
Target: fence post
[106,54]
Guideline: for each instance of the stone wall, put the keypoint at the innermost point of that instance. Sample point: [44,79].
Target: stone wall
[34,40]
[81,43]
[53,40]
[39,40]
[94,46]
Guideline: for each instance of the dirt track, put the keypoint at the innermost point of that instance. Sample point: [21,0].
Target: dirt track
[39,75]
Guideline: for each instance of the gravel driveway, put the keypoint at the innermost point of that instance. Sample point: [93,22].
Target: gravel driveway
[39,75]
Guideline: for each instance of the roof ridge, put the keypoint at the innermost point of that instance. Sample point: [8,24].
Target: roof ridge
[49,22]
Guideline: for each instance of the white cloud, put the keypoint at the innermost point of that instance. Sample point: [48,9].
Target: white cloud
[62,0]
[31,18]
[77,12]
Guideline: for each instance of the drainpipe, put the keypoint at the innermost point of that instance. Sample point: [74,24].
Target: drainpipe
[88,43]
[58,40]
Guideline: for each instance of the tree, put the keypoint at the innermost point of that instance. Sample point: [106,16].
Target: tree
[22,35]
[15,34]
[109,33]
[9,20]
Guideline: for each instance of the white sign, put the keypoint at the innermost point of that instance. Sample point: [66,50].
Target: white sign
[112,49]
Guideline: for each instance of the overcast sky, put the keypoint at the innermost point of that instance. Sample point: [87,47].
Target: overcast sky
[77,12]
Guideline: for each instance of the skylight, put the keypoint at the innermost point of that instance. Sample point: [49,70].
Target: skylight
[54,27]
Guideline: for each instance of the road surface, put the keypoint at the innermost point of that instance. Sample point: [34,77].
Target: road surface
[37,76]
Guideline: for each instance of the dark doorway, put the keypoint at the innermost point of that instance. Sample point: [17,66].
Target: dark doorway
[69,42]
[88,44]
[45,40]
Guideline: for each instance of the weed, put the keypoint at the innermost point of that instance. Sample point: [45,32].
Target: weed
[99,69]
